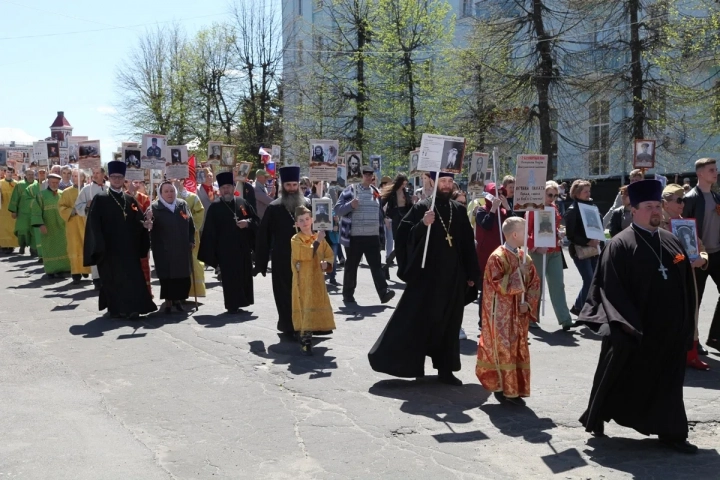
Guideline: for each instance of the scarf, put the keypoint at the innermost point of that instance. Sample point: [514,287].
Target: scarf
[169,206]
[209,190]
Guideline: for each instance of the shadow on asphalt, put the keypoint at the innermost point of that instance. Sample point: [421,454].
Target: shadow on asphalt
[647,458]
[557,338]
[705,379]
[354,312]
[39,283]
[97,327]
[436,401]
[519,421]
[468,347]
[218,321]
[287,352]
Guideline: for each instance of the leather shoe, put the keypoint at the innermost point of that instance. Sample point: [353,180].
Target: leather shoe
[575,311]
[599,430]
[701,350]
[449,379]
[682,446]
[349,300]
[389,294]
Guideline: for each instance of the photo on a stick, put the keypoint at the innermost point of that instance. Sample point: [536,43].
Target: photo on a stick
[685,230]
[644,154]
[322,214]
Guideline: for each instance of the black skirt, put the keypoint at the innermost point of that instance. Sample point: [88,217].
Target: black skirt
[176,289]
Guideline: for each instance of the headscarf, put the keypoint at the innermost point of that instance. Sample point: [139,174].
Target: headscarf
[169,206]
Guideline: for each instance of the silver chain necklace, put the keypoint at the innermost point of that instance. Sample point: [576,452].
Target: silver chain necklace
[663,270]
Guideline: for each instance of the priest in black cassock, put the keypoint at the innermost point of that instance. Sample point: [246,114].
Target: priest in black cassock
[639,378]
[116,238]
[227,242]
[429,315]
[276,230]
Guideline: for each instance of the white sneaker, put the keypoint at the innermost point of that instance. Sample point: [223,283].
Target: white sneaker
[462,334]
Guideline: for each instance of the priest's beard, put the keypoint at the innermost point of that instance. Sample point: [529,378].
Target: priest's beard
[443,197]
[228,198]
[292,200]
[655,221]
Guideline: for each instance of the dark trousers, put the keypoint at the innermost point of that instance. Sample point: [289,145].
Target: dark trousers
[586,267]
[370,247]
[713,271]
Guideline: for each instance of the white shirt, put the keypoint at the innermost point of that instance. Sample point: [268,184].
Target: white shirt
[86,195]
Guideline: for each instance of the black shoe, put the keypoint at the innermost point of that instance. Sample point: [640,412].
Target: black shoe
[575,311]
[96,284]
[323,332]
[133,316]
[349,299]
[567,326]
[682,446]
[599,430]
[449,379]
[712,343]
[701,350]
[22,250]
[85,275]
[178,306]
[389,294]
[386,271]
[50,275]
[332,281]
[306,344]
[76,279]
[33,253]
[233,311]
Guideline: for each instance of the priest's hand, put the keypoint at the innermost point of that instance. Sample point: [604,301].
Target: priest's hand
[43,229]
[242,223]
[429,218]
[524,308]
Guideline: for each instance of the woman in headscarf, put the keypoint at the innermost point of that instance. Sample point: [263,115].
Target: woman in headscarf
[172,237]
[197,210]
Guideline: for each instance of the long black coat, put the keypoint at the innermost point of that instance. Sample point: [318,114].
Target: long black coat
[171,240]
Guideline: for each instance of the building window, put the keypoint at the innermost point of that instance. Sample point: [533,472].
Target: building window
[466,8]
[599,138]
[299,52]
[300,2]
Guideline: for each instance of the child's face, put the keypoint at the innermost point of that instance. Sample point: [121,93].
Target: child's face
[304,223]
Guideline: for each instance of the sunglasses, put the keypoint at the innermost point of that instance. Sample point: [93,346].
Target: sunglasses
[678,200]
[552,195]
[368,173]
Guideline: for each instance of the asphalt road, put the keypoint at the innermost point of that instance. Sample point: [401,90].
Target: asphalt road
[210,395]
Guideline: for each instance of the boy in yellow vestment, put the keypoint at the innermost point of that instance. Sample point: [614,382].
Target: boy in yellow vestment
[311,258]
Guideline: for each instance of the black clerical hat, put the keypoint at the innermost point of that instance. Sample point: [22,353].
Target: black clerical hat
[224,178]
[116,167]
[433,175]
[644,191]
[290,174]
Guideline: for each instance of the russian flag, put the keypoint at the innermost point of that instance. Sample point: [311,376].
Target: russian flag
[270,168]
[265,156]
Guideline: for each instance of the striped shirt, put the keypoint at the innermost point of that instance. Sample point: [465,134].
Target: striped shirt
[365,216]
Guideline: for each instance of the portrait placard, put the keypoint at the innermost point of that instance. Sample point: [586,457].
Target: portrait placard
[592,221]
[441,153]
[544,228]
[414,156]
[275,153]
[153,147]
[644,154]
[214,152]
[354,163]
[243,170]
[89,155]
[476,172]
[685,230]
[228,157]
[322,214]
[53,152]
[530,182]
[341,171]
[323,152]
[40,154]
[131,157]
[177,167]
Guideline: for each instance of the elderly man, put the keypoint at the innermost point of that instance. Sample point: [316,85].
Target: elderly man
[46,218]
[639,379]
[116,238]
[8,239]
[74,227]
[19,207]
[83,203]
[66,181]
[276,230]
[263,197]
[227,242]
[672,210]
[54,170]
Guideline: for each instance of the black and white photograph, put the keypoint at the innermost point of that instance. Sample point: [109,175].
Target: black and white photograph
[275,151]
[243,170]
[478,167]
[132,158]
[89,155]
[53,152]
[441,153]
[177,167]
[214,152]
[323,152]
[153,149]
[322,214]
[592,221]
[414,157]
[200,176]
[686,231]
[354,164]
[644,154]
[452,156]
[341,160]
[544,228]
[228,155]
[376,164]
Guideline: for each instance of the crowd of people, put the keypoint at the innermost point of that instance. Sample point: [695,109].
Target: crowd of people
[449,252]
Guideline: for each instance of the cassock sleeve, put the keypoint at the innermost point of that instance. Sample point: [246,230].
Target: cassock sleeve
[65,206]
[468,252]
[406,243]
[611,281]
[499,280]
[94,247]
[208,239]
[36,212]
[14,204]
[137,217]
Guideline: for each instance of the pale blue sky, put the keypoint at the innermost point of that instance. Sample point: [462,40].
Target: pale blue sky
[64,55]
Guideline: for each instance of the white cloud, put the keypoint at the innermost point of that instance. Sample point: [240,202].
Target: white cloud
[9,134]
[106,110]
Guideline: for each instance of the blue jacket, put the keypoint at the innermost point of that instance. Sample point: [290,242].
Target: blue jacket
[343,209]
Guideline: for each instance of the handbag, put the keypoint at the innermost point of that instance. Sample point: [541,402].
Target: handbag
[583,253]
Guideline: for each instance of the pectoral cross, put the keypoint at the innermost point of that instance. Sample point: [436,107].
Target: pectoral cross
[663,270]
[449,237]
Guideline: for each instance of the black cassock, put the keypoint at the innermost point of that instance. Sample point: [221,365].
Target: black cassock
[276,230]
[429,314]
[223,244]
[647,323]
[115,244]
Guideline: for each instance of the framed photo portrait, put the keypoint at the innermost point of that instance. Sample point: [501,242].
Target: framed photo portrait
[592,221]
[322,214]
[685,230]
[644,154]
